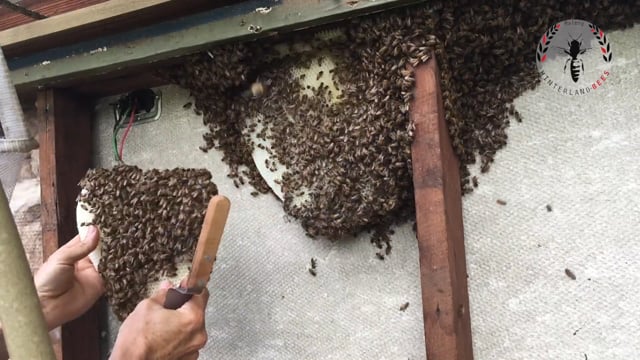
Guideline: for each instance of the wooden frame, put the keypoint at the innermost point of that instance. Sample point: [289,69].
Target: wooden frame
[66,146]
[436,179]
[10,18]
[108,17]
[65,156]
[80,63]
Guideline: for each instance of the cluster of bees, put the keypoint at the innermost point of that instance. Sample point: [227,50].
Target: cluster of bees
[149,221]
[354,154]
[488,60]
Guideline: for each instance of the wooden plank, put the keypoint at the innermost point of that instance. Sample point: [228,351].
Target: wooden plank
[9,19]
[113,85]
[20,9]
[97,20]
[65,156]
[436,179]
[183,36]
[73,19]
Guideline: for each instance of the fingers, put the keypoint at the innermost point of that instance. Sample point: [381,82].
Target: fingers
[193,312]
[90,278]
[197,302]
[77,248]
[86,264]
[196,305]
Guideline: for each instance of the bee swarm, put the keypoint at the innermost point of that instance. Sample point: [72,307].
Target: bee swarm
[149,222]
[355,153]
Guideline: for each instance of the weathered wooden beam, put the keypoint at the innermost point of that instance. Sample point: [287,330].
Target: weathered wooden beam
[73,20]
[247,20]
[22,10]
[107,18]
[9,19]
[65,156]
[436,179]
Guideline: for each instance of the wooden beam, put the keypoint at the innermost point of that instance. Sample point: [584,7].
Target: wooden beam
[65,156]
[9,19]
[73,20]
[117,84]
[105,18]
[22,10]
[183,36]
[436,179]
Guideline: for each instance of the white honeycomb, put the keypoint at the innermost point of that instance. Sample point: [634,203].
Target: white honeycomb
[318,73]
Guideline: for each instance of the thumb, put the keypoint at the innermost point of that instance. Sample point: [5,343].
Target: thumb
[78,248]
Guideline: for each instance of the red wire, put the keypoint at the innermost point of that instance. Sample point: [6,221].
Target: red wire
[126,132]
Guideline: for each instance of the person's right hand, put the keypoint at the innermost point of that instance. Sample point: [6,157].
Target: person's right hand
[153,332]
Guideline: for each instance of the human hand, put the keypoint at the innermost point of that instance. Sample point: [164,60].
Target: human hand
[153,332]
[68,283]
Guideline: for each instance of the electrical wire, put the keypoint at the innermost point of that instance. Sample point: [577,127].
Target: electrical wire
[116,128]
[126,132]
[115,145]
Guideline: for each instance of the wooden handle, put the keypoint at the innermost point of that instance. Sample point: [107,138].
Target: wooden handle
[208,242]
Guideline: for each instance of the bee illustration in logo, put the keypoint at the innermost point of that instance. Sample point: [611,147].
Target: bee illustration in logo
[576,66]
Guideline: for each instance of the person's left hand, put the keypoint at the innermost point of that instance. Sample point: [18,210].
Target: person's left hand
[67,283]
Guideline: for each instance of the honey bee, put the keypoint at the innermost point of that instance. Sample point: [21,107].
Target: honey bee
[313,272]
[570,274]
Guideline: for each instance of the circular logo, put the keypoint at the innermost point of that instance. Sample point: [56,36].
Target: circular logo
[574,57]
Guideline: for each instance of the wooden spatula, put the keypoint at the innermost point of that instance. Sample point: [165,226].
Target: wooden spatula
[205,254]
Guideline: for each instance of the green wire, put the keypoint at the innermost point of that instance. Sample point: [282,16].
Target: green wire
[116,129]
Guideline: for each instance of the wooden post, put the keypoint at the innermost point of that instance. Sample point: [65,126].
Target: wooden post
[436,178]
[65,156]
